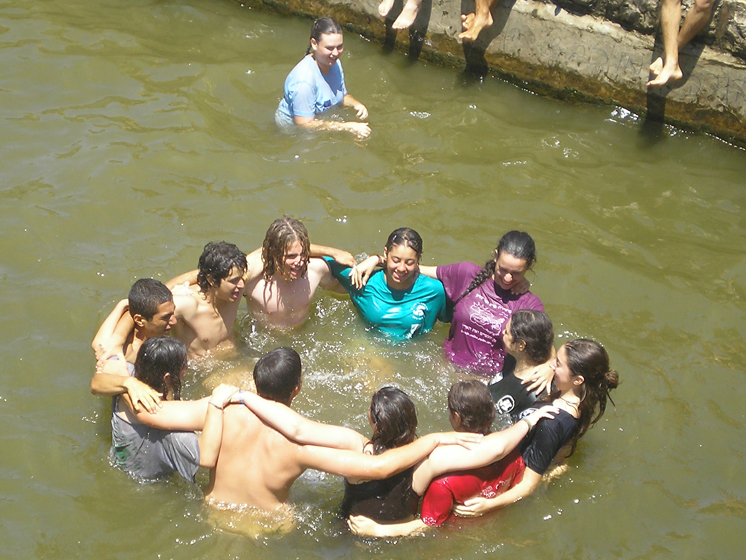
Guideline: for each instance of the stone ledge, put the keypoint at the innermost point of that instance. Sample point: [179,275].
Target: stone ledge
[548,50]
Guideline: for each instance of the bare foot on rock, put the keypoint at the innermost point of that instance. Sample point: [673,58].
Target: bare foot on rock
[408,14]
[473,25]
[657,66]
[664,73]
[385,7]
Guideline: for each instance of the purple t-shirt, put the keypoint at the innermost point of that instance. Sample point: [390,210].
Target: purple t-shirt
[475,340]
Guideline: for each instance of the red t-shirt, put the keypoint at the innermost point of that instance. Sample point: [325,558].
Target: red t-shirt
[487,482]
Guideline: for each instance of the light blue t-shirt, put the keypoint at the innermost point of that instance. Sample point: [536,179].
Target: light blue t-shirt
[307,91]
[400,314]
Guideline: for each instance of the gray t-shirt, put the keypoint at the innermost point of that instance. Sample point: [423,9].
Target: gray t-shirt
[149,453]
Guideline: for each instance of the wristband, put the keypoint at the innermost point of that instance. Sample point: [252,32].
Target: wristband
[216,406]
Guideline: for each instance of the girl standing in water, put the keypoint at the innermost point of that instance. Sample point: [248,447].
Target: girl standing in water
[317,84]
[483,299]
[583,379]
[397,301]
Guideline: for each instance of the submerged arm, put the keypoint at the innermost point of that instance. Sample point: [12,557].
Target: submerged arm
[366,527]
[359,129]
[360,110]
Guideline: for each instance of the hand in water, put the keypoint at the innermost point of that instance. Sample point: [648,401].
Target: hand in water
[361,130]
[361,111]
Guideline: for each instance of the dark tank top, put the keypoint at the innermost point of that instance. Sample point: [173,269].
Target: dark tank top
[391,499]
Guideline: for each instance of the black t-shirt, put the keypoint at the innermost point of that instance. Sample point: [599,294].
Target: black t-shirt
[546,439]
[509,392]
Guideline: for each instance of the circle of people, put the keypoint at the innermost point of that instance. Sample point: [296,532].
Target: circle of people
[317,83]
[256,445]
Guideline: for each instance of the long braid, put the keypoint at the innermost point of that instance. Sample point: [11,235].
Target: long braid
[482,276]
[516,243]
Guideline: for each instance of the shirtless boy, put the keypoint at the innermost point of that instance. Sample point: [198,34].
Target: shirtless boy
[281,277]
[206,312]
[151,309]
[257,465]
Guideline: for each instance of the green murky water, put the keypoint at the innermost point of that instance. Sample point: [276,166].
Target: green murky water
[133,133]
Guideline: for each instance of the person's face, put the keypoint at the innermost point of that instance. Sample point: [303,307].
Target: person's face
[161,322]
[508,341]
[401,266]
[509,270]
[231,287]
[293,261]
[327,50]
[563,377]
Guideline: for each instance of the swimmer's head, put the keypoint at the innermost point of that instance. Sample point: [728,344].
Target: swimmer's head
[393,418]
[217,262]
[401,257]
[531,331]
[277,375]
[470,406]
[161,364]
[323,26]
[285,250]
[151,306]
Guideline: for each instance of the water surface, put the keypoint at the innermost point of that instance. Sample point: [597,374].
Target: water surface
[134,133]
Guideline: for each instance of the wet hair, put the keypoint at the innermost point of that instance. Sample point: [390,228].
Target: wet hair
[146,295]
[217,261]
[407,237]
[393,414]
[589,359]
[281,233]
[158,356]
[277,374]
[519,244]
[473,402]
[323,26]
[535,329]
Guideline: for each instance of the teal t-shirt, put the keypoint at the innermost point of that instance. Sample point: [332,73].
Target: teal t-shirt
[400,314]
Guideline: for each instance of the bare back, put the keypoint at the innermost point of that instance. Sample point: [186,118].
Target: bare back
[256,464]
